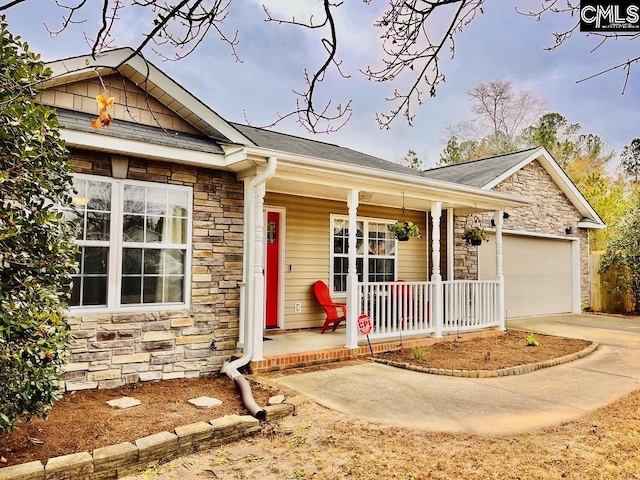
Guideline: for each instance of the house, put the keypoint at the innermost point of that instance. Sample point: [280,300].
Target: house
[197,235]
[546,244]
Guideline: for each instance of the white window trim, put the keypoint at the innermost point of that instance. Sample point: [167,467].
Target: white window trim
[116,243]
[365,255]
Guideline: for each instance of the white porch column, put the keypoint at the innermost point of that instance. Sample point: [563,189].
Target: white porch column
[497,219]
[258,274]
[575,269]
[436,277]
[352,272]
[450,244]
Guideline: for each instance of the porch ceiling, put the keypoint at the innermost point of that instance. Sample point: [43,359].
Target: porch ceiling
[382,188]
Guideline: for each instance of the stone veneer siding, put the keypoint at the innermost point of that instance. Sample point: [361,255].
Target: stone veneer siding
[110,350]
[551,213]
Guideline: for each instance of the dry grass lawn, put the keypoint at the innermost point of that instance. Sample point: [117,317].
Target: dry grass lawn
[322,444]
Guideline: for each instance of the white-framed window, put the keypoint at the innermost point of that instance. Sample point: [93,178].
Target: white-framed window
[376,257]
[134,241]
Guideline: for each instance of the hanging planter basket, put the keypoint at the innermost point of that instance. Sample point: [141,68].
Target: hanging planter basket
[475,234]
[403,229]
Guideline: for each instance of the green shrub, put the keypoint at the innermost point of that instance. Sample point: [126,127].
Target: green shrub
[417,353]
[36,243]
[623,253]
[531,340]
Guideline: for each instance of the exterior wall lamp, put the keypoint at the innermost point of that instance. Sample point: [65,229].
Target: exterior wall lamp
[505,215]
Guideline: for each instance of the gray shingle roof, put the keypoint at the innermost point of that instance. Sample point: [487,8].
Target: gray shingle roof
[303,146]
[479,172]
[80,121]
[475,174]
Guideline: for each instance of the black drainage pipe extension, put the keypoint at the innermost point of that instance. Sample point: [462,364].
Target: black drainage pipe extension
[247,398]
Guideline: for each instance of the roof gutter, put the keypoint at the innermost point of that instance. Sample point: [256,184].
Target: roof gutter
[591,224]
[415,181]
[137,148]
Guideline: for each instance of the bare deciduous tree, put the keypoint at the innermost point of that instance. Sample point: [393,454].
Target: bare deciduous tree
[499,109]
[415,35]
[501,116]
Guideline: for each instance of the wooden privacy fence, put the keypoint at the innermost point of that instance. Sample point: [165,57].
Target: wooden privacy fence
[605,296]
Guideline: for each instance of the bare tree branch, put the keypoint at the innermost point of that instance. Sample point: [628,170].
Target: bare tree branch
[182,25]
[414,33]
[7,6]
[317,120]
[571,8]
[67,19]
[407,44]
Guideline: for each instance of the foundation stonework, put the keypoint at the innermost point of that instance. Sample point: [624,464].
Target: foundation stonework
[112,349]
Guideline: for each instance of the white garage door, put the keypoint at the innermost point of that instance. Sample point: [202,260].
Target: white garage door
[537,274]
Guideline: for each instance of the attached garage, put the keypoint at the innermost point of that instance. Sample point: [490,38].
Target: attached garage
[539,273]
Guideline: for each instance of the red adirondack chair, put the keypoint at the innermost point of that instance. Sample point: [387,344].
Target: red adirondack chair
[321,291]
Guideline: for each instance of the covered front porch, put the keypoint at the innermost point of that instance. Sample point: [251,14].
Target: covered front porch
[403,315]
[324,230]
[307,348]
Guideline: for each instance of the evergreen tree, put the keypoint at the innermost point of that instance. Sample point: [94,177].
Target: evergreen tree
[623,253]
[630,160]
[36,242]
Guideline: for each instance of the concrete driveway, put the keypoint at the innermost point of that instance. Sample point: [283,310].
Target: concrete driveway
[493,405]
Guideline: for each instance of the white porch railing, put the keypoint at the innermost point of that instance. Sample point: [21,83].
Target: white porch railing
[397,308]
[407,308]
[469,305]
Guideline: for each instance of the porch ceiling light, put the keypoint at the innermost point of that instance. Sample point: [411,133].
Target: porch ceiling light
[365,196]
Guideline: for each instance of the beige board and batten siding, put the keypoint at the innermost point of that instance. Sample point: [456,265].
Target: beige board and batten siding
[307,256]
[538,274]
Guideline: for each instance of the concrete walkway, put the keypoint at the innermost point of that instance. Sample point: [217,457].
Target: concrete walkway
[521,403]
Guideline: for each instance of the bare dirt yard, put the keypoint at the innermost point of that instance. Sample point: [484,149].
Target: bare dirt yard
[504,351]
[82,420]
[319,443]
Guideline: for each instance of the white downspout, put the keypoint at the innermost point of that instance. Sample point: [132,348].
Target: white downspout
[231,369]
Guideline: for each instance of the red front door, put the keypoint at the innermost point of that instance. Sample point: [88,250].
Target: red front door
[272,269]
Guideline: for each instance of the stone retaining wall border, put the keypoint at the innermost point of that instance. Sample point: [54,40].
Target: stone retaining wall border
[501,372]
[117,461]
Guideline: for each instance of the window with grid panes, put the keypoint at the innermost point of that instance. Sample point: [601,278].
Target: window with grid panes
[133,240]
[375,256]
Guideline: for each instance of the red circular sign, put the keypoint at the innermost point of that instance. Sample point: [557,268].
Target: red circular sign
[364,324]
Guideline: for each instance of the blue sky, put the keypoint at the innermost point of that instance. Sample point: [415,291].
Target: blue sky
[498,45]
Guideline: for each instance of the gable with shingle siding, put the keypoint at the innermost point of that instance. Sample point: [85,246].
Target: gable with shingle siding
[132,103]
